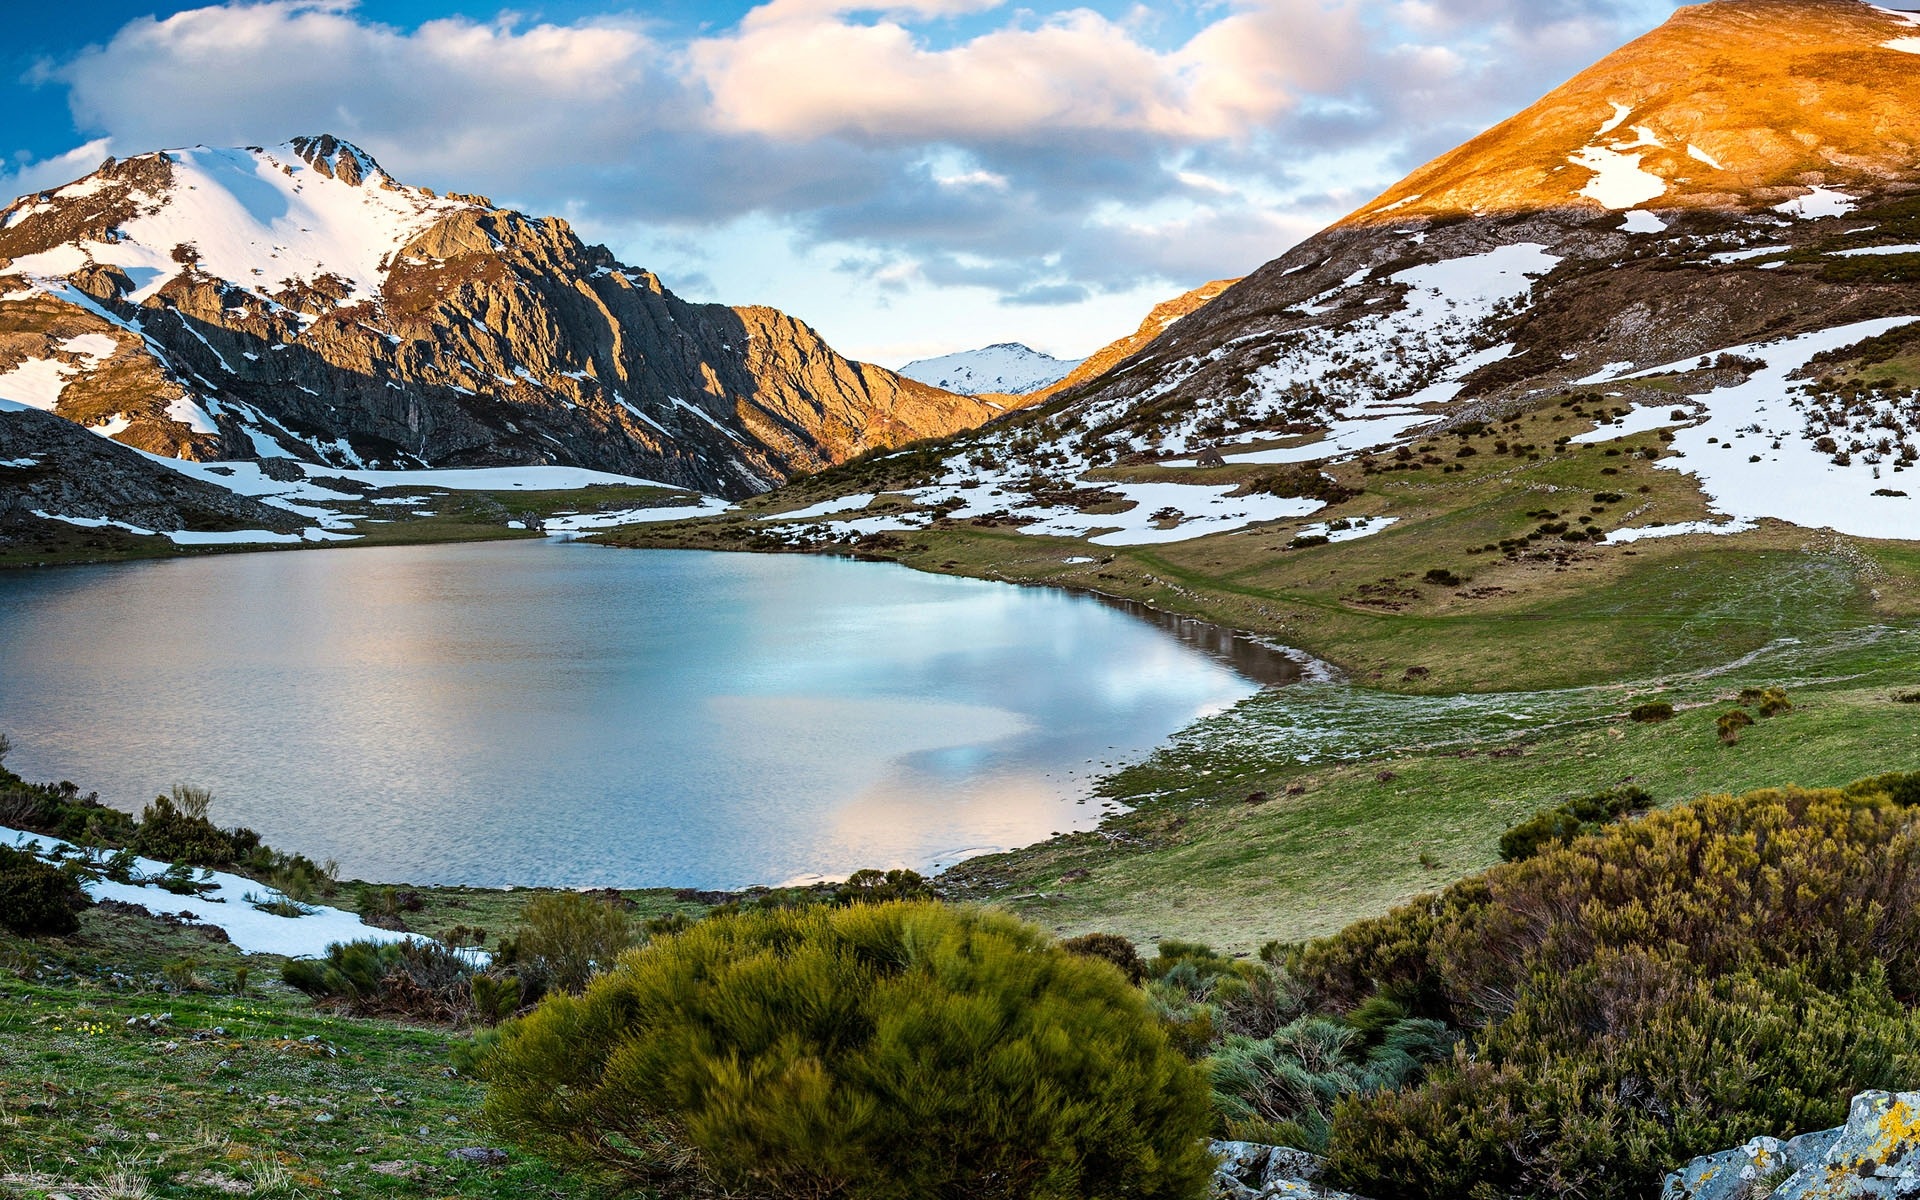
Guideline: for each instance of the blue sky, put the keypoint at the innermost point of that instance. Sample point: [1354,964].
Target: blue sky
[911,178]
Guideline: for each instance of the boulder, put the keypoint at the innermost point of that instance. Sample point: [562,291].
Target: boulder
[1251,1171]
[1877,1154]
[1874,1156]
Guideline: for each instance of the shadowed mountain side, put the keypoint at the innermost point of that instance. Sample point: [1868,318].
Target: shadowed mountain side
[482,337]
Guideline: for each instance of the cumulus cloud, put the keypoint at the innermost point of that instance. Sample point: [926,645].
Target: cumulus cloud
[1046,155]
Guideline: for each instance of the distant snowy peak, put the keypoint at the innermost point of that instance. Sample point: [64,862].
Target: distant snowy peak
[1007,367]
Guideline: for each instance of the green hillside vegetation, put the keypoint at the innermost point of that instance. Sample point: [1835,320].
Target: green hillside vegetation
[1631,990]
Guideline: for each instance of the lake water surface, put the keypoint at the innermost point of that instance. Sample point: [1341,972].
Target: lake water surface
[542,713]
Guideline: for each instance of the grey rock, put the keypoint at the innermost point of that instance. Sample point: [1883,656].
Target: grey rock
[1730,1174]
[1875,1157]
[1252,1171]
[484,1156]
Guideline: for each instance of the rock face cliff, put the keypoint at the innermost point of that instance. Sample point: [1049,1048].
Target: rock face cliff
[298,301]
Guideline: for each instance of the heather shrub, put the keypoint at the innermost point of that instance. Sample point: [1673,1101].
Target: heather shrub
[1110,947]
[1564,822]
[419,979]
[175,828]
[36,897]
[1282,1089]
[1661,988]
[1651,712]
[874,1052]
[564,939]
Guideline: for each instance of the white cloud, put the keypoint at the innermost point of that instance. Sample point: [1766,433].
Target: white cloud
[34,175]
[1058,156]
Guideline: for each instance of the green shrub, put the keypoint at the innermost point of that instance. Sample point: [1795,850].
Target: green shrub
[875,1052]
[564,939]
[1730,724]
[878,887]
[175,828]
[1651,712]
[1562,823]
[1666,987]
[1110,947]
[1282,1089]
[37,898]
[419,979]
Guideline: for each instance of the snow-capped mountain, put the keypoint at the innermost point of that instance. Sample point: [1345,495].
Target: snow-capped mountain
[1006,368]
[298,301]
[1711,239]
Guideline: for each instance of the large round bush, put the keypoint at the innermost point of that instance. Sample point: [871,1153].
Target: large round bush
[877,1052]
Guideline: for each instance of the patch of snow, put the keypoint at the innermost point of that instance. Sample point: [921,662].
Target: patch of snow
[826,507]
[112,427]
[19,462]
[1621,537]
[35,383]
[1355,529]
[1906,45]
[1865,250]
[1699,155]
[1642,221]
[187,413]
[1729,256]
[91,345]
[1796,483]
[1618,182]
[580,522]
[1606,374]
[484,479]
[1641,420]
[224,904]
[1818,203]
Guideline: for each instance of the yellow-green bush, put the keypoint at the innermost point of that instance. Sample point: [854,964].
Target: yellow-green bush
[878,1052]
[1653,990]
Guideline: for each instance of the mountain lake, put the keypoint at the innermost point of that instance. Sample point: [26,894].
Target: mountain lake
[545,713]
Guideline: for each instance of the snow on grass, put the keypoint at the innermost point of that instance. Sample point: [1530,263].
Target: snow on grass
[187,413]
[1351,529]
[1621,537]
[1910,248]
[36,383]
[482,479]
[1640,419]
[580,522]
[224,904]
[1642,221]
[1745,475]
[1730,256]
[192,537]
[826,507]
[1818,203]
[1906,45]
[1620,114]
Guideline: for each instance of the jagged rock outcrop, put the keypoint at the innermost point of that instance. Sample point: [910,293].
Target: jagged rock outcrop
[239,303]
[1876,1154]
[50,465]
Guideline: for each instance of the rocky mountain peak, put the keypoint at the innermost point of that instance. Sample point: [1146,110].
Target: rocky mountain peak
[1730,105]
[337,159]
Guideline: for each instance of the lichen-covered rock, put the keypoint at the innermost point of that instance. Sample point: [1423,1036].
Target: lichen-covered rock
[1876,1155]
[1729,1175]
[1251,1171]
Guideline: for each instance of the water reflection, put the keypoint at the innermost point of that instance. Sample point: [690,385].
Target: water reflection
[541,713]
